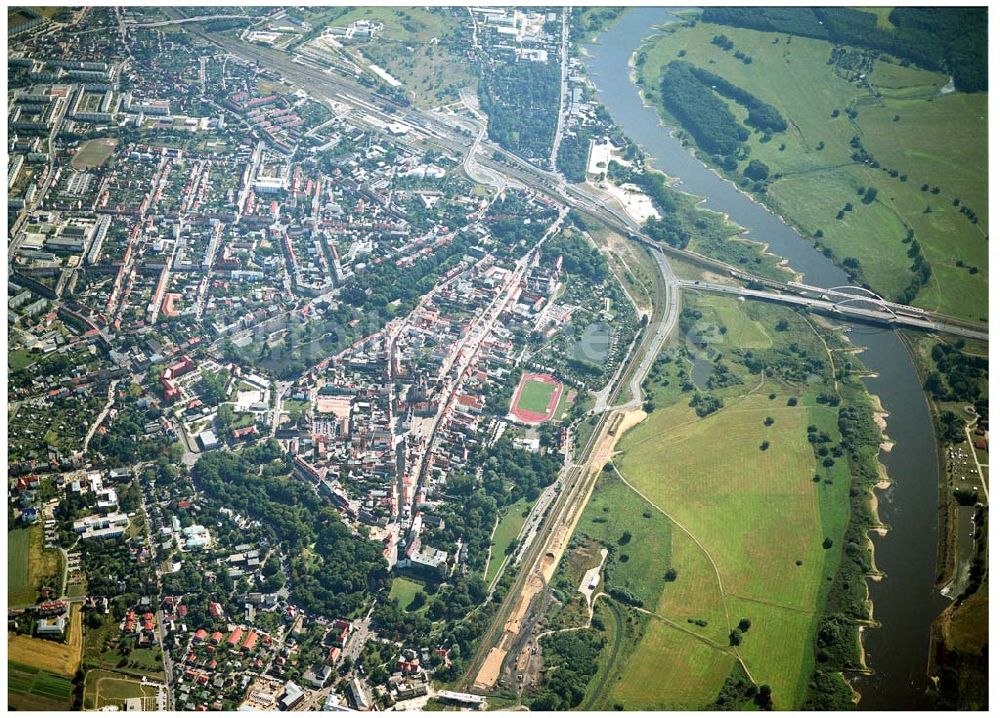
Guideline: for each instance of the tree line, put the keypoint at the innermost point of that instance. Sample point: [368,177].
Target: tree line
[947,39]
[700,110]
[762,117]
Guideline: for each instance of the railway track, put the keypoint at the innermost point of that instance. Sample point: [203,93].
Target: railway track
[575,487]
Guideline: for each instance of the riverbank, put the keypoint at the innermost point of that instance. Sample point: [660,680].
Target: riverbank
[845,137]
[904,602]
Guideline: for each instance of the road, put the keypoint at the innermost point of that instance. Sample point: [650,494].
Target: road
[574,482]
[664,328]
[564,64]
[100,417]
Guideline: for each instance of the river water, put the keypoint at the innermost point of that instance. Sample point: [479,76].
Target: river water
[905,601]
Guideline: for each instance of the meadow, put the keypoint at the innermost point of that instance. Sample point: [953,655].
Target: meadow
[404,589]
[730,514]
[29,565]
[930,145]
[507,530]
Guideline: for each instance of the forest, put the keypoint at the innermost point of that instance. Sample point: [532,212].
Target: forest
[574,151]
[762,117]
[343,569]
[700,110]
[947,39]
[579,257]
[521,100]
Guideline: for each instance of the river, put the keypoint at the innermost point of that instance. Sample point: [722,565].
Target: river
[905,601]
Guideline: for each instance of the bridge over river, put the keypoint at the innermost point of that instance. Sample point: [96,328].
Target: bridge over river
[846,303]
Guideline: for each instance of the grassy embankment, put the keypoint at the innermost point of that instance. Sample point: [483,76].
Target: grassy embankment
[741,526]
[511,521]
[930,141]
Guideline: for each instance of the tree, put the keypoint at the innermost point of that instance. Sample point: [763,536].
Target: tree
[225,415]
[757,171]
[735,637]
[671,575]
[763,698]
[625,538]
[744,624]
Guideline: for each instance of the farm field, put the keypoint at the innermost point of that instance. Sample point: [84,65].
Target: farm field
[928,139]
[29,564]
[51,656]
[32,689]
[506,531]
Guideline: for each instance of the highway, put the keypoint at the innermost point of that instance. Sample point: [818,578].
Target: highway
[841,310]
[663,330]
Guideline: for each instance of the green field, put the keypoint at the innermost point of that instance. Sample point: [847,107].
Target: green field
[614,510]
[29,688]
[506,531]
[29,565]
[106,688]
[20,358]
[931,138]
[741,526]
[93,153]
[431,73]
[535,396]
[741,330]
[754,515]
[670,670]
[404,589]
